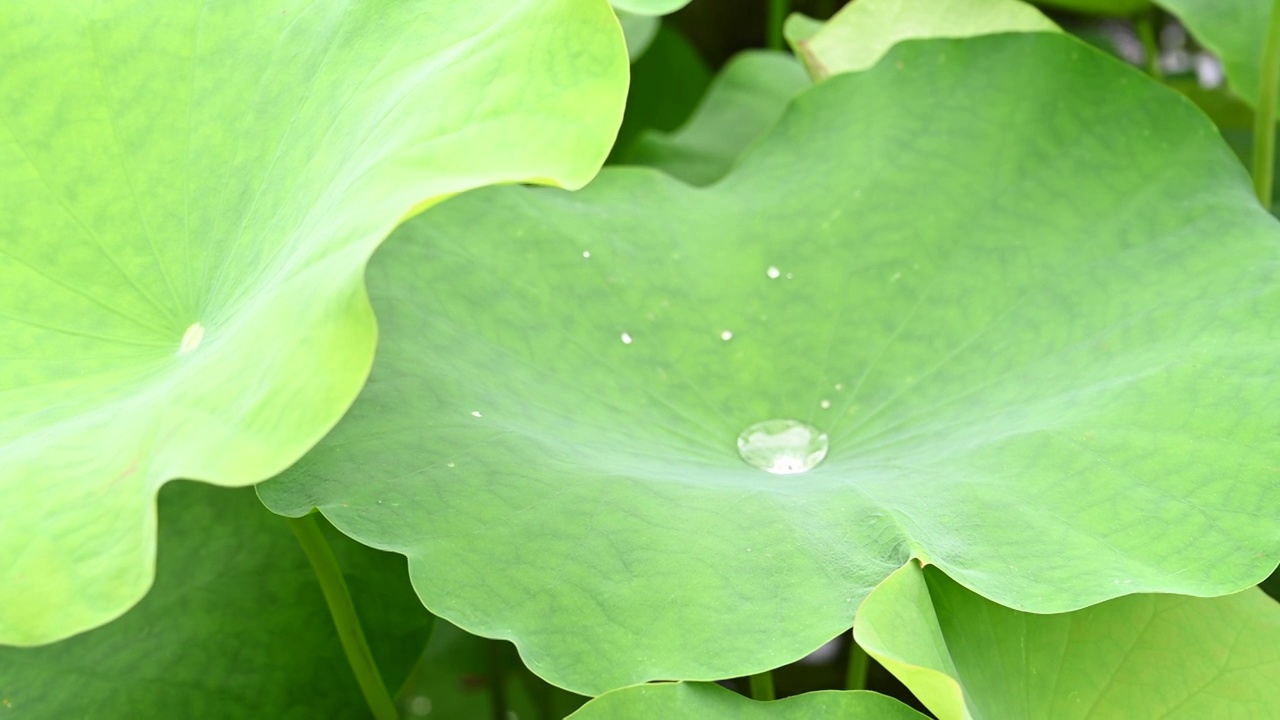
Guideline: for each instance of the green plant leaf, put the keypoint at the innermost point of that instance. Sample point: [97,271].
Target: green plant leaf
[649,7]
[1035,369]
[191,199]
[679,701]
[236,626]
[742,103]
[455,679]
[862,32]
[1136,656]
[1235,31]
[666,84]
[1099,7]
[639,31]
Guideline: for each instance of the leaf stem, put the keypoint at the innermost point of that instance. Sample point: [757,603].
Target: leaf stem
[1145,26]
[855,674]
[343,610]
[778,10]
[762,686]
[1264,120]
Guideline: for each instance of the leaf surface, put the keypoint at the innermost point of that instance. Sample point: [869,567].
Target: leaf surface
[712,702]
[743,102]
[1166,656]
[191,195]
[1235,31]
[862,32]
[1044,365]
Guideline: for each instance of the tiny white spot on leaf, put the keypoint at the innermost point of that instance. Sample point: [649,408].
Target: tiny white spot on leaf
[191,338]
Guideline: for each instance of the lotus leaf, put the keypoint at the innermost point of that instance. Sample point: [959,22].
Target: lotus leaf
[192,193]
[1036,333]
[1166,656]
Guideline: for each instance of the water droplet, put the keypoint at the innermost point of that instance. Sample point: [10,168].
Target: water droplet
[191,338]
[782,446]
[586,253]
[420,705]
[789,276]
[449,464]
[726,336]
[475,413]
[773,272]
[839,387]
[825,404]
[626,338]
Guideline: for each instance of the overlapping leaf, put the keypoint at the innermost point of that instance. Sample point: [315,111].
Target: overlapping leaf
[1235,30]
[191,194]
[236,626]
[684,701]
[743,102]
[1139,656]
[862,32]
[1023,289]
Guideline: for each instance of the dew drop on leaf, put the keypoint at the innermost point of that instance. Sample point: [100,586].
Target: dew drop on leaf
[782,446]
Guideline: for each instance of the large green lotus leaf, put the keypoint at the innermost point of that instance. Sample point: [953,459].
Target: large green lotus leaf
[1138,656]
[191,195]
[235,627]
[699,701]
[742,103]
[862,32]
[1035,369]
[1235,30]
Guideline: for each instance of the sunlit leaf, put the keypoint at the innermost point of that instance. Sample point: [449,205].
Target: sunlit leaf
[1167,656]
[863,31]
[191,194]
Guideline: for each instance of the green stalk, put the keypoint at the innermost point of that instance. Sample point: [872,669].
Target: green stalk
[778,10]
[762,686]
[343,611]
[855,675]
[1145,26]
[1264,121]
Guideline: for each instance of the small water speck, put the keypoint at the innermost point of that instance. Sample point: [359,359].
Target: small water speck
[895,277]
[420,705]
[773,272]
[449,464]
[586,253]
[839,387]
[626,338]
[726,336]
[825,404]
[475,413]
[782,446]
